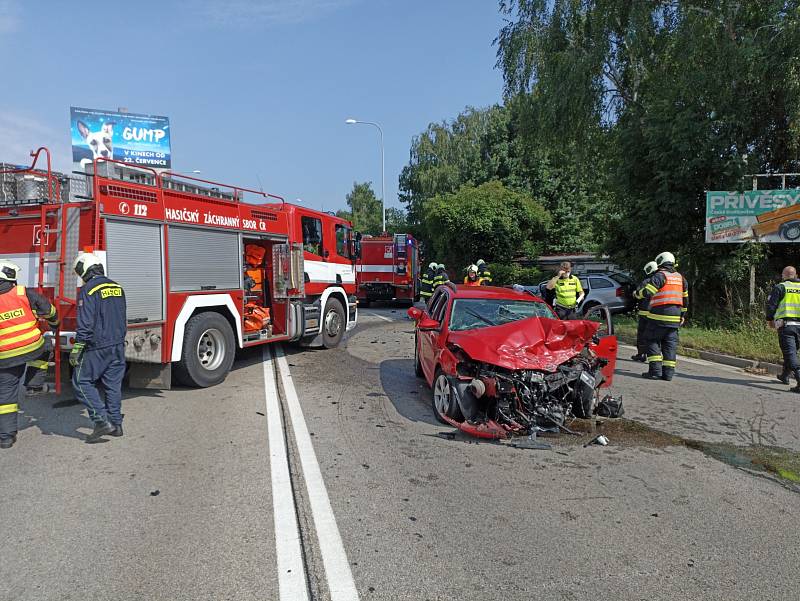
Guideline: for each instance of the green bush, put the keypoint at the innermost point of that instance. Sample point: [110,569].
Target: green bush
[507,274]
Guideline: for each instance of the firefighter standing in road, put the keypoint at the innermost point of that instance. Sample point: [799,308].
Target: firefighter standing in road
[426,282]
[483,272]
[472,278]
[569,292]
[668,295]
[641,308]
[99,352]
[21,341]
[783,313]
[441,276]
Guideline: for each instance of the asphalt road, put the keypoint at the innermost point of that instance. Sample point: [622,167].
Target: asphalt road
[414,515]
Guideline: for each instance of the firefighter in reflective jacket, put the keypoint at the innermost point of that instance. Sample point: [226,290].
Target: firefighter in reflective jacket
[21,341]
[472,278]
[483,272]
[99,352]
[783,313]
[668,294]
[441,276]
[642,306]
[426,282]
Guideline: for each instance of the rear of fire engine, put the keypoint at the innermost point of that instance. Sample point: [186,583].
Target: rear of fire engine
[388,269]
[206,268]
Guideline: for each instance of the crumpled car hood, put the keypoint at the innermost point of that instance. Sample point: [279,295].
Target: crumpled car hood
[534,343]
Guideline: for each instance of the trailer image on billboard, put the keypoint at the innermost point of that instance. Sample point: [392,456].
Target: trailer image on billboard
[141,140]
[753,216]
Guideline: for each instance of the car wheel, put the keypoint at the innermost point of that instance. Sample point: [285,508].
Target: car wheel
[417,365]
[589,306]
[444,399]
[208,351]
[333,323]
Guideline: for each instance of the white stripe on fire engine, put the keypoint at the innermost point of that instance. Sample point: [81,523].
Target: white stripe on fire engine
[322,271]
[375,268]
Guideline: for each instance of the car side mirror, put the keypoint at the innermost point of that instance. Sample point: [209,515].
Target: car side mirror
[427,324]
[415,313]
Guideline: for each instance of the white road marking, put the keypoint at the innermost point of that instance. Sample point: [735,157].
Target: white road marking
[384,318]
[292,583]
[337,568]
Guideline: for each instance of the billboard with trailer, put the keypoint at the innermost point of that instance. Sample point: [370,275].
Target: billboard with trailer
[141,140]
[753,216]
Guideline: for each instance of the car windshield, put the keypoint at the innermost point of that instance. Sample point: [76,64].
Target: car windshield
[472,313]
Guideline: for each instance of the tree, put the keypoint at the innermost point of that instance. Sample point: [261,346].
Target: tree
[488,221]
[364,209]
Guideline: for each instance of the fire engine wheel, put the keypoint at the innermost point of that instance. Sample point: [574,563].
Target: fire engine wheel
[444,399]
[333,323]
[208,351]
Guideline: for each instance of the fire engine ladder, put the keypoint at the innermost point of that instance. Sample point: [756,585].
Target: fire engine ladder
[52,222]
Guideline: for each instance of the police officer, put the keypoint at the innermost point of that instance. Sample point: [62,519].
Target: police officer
[99,352]
[483,272]
[641,308]
[668,295]
[21,341]
[569,292]
[426,282]
[783,314]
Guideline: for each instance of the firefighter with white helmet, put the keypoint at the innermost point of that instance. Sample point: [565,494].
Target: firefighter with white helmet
[472,278]
[98,356]
[426,282]
[441,276]
[483,272]
[668,295]
[21,341]
[641,309]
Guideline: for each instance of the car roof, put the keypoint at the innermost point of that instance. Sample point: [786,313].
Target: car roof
[493,292]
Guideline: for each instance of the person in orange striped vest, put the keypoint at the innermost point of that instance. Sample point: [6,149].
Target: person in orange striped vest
[21,341]
[668,295]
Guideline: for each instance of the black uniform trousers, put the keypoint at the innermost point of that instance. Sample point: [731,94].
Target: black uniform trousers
[10,378]
[789,339]
[566,313]
[662,350]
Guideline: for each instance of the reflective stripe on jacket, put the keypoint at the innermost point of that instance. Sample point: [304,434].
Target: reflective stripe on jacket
[671,293]
[475,282]
[19,330]
[668,295]
[567,291]
[789,307]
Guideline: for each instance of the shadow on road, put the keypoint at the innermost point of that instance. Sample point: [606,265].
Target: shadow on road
[409,394]
[632,372]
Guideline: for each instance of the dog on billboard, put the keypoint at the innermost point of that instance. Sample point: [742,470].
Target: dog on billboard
[99,142]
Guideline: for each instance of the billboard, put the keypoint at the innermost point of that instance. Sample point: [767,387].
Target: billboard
[141,140]
[753,216]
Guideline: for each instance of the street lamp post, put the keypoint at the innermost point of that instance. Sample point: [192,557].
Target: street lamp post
[383,171]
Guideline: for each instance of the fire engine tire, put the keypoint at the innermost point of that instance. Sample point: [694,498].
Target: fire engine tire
[417,365]
[333,323]
[444,399]
[209,348]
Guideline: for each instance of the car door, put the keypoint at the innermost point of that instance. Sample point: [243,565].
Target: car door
[606,345]
[428,340]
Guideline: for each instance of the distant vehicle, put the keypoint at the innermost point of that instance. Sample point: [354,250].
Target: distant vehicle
[388,269]
[614,290]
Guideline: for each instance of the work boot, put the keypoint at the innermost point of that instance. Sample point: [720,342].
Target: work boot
[117,430]
[7,443]
[651,376]
[784,377]
[639,357]
[796,374]
[667,374]
[100,429]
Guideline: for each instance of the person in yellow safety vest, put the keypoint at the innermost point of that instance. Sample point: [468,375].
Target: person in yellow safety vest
[484,273]
[569,292]
[642,307]
[21,341]
[472,278]
[668,295]
[783,314]
[426,282]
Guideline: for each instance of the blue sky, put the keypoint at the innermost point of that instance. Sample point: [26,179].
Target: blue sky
[253,88]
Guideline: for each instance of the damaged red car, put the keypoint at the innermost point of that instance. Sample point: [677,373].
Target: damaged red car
[501,363]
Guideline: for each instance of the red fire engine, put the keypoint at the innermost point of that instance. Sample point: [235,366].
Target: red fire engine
[205,269]
[388,269]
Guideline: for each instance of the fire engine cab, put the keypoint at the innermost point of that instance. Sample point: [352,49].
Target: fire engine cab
[206,268]
[388,269]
